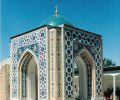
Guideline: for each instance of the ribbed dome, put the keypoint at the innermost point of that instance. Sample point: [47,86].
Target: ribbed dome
[56,20]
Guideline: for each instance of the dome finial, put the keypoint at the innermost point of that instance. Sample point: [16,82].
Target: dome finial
[56,10]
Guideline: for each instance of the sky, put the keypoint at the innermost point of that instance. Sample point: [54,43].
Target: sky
[98,16]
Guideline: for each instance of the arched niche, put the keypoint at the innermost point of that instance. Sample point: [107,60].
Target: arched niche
[28,76]
[84,74]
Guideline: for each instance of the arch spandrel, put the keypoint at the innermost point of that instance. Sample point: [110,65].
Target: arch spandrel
[84,52]
[78,47]
[25,53]
[33,49]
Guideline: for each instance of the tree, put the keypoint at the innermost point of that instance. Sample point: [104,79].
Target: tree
[108,62]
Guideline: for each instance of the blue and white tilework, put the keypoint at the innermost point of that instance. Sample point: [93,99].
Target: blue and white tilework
[37,42]
[94,43]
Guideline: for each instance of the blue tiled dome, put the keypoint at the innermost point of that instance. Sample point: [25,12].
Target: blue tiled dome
[56,20]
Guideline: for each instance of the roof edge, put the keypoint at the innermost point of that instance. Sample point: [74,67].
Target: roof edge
[50,26]
[114,68]
[84,30]
[29,31]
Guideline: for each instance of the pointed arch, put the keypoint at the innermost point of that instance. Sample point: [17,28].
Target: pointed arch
[26,55]
[85,55]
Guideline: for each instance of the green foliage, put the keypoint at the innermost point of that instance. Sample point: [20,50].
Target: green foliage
[108,62]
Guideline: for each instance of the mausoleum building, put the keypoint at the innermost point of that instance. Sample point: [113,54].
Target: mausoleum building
[56,61]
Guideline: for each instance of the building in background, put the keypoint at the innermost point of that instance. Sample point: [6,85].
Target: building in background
[5,80]
[111,82]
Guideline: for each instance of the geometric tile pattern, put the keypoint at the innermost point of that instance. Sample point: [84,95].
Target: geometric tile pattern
[43,60]
[33,47]
[52,54]
[59,63]
[36,41]
[77,47]
[73,35]
[69,63]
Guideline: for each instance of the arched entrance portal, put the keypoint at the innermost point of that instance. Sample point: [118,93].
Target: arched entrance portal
[84,76]
[28,74]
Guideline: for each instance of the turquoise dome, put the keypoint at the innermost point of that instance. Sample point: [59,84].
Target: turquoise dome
[56,20]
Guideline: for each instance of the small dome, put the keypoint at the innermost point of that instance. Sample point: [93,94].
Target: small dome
[56,20]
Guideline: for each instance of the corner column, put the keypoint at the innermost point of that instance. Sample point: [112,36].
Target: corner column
[53,65]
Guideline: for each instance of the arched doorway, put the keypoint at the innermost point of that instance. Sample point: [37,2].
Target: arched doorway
[28,77]
[80,78]
[84,76]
